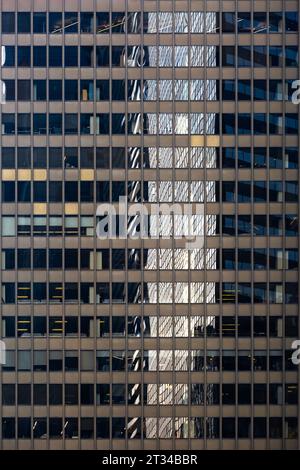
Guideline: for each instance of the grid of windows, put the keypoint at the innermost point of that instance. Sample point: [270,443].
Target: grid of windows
[148,344]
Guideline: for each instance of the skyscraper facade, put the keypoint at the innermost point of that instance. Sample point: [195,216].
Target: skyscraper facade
[149,342]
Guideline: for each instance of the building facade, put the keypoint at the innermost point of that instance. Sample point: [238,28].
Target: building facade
[149,342]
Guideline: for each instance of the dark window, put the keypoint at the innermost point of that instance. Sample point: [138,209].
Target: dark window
[9,56]
[39,90]
[8,428]
[244,428]
[55,428]
[24,123]
[87,394]
[71,90]
[24,90]
[10,94]
[39,56]
[55,23]
[87,56]
[102,23]
[39,259]
[39,22]
[244,56]
[55,56]
[102,90]
[24,22]
[55,90]
[71,22]
[71,59]
[71,124]
[71,394]
[8,394]
[24,394]
[8,22]
[259,56]
[291,21]
[8,157]
[244,22]
[8,327]
[40,428]
[228,428]
[24,56]
[87,428]
[102,56]
[86,22]
[244,90]
[260,90]
[55,124]
[8,191]
[39,394]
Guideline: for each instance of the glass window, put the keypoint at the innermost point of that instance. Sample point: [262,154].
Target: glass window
[10,94]
[87,360]
[291,56]
[275,22]
[24,22]
[102,428]
[118,90]
[8,327]
[71,124]
[71,22]
[39,124]
[228,90]
[244,56]
[8,258]
[24,123]
[244,90]
[260,90]
[259,56]
[260,22]
[8,428]
[55,56]
[10,361]
[87,55]
[39,90]
[55,361]
[9,56]
[102,23]
[39,56]
[102,56]
[71,59]
[291,21]
[55,23]
[8,124]
[55,90]
[244,22]
[8,22]
[86,22]
[55,428]
[8,394]
[24,360]
[24,394]
[55,124]
[24,428]
[87,90]
[39,22]
[71,90]
[24,90]
[102,394]
[275,56]
[102,90]
[40,428]
[24,56]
